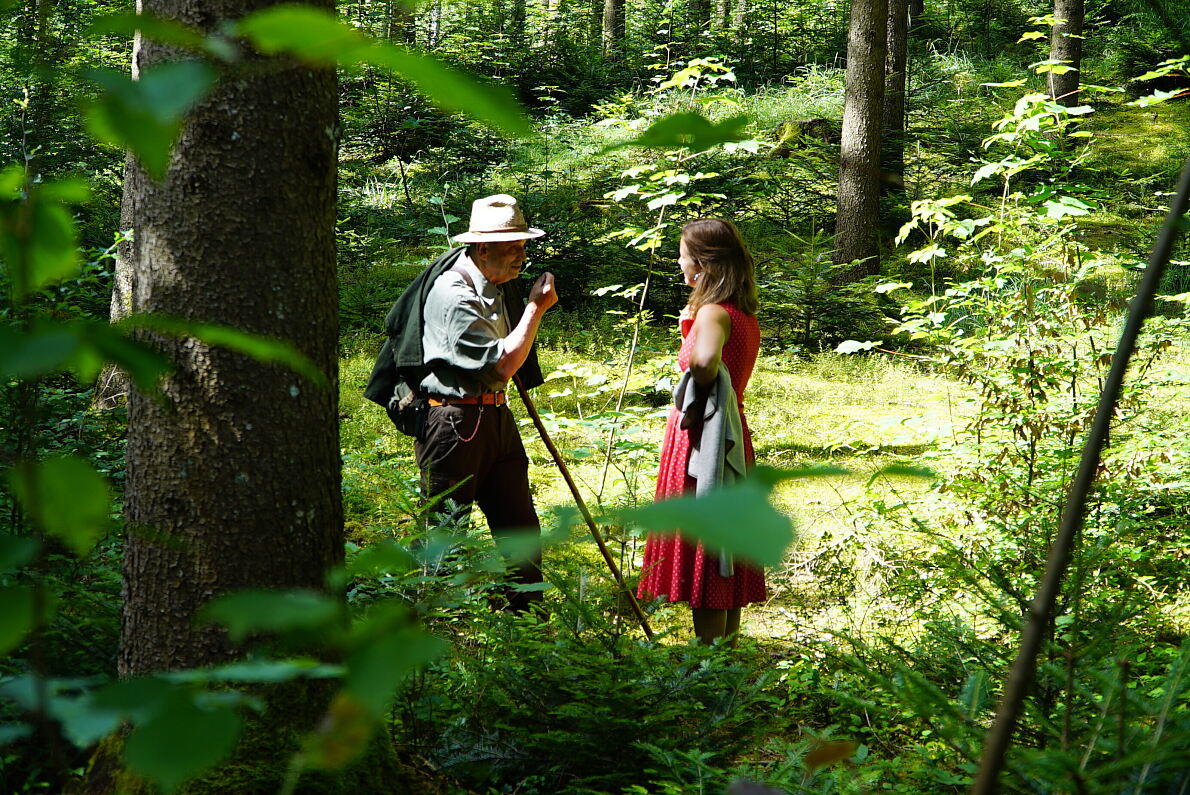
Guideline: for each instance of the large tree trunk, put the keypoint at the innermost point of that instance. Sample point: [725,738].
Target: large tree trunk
[613,26]
[1067,45]
[892,146]
[859,166]
[234,479]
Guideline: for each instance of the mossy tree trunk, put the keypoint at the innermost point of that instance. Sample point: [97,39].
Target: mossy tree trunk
[1066,44]
[892,146]
[234,478]
[858,209]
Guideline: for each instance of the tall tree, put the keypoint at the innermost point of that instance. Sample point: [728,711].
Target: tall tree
[233,480]
[916,9]
[613,26]
[722,16]
[859,164]
[892,145]
[1066,44]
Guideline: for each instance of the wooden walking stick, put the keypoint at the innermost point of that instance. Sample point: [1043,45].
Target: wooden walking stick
[582,506]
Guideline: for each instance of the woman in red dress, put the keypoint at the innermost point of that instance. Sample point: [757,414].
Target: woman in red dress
[719,329]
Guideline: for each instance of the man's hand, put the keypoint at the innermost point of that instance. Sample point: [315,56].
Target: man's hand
[543,293]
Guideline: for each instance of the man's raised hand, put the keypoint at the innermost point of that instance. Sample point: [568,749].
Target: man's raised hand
[543,293]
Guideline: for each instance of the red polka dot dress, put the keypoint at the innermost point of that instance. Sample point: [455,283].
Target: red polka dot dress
[675,569]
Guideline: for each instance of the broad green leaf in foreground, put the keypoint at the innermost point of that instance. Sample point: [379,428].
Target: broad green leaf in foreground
[384,660]
[182,740]
[16,551]
[248,612]
[67,498]
[256,671]
[38,240]
[738,518]
[145,115]
[261,348]
[166,31]
[16,616]
[315,35]
[691,130]
[25,356]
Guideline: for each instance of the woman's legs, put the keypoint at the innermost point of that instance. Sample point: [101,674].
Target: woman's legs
[731,627]
[709,624]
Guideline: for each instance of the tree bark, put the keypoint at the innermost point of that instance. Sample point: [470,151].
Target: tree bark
[916,9]
[859,165]
[613,26]
[722,16]
[1066,44]
[739,20]
[892,145]
[233,480]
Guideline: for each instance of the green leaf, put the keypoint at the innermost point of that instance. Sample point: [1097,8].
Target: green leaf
[16,616]
[248,612]
[16,551]
[737,518]
[316,35]
[144,365]
[379,558]
[1066,206]
[383,662]
[903,471]
[166,31]
[985,171]
[145,115]
[84,722]
[691,130]
[138,700]
[889,287]
[257,671]
[181,741]
[27,356]
[1010,84]
[261,348]
[11,732]
[67,498]
[1031,35]
[38,239]
[855,346]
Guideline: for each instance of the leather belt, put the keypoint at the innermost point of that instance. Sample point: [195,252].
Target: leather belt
[486,399]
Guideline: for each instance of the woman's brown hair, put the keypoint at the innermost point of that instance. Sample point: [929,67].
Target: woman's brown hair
[728,273]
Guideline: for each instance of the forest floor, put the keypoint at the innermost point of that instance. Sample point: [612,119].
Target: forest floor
[856,413]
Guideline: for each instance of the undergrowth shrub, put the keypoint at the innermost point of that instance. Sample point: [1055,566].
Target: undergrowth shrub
[555,708]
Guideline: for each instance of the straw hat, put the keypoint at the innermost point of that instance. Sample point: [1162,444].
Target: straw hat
[496,218]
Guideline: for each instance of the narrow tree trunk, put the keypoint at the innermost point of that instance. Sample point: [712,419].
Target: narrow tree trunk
[435,24]
[859,167]
[516,21]
[234,480]
[916,9]
[740,20]
[892,145]
[613,27]
[1066,45]
[112,386]
[400,26]
[722,16]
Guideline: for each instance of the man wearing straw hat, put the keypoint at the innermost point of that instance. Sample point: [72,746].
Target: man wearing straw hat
[460,333]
